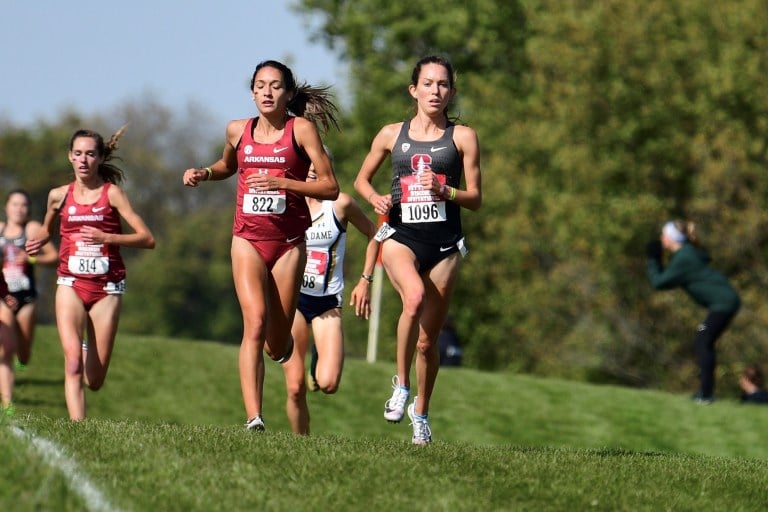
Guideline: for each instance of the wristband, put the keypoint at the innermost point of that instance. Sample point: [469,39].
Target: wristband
[443,191]
[453,194]
[31,260]
[367,277]
[210,173]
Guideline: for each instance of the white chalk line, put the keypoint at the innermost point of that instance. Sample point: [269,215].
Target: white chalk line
[95,500]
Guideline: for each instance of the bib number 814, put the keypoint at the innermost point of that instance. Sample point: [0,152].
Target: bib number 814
[88,266]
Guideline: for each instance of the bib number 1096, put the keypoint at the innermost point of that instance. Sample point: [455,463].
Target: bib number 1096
[423,212]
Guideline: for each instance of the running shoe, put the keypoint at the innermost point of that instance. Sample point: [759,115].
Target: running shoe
[394,408]
[255,423]
[8,410]
[700,399]
[422,434]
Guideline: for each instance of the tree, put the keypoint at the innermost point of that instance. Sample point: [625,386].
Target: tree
[597,122]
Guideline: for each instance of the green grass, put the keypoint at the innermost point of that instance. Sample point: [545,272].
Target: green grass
[165,433]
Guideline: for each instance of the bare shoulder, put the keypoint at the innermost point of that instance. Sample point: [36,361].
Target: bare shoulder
[391,130]
[387,136]
[302,123]
[118,198]
[115,191]
[347,209]
[239,123]
[30,227]
[343,202]
[235,128]
[56,195]
[303,127]
[464,134]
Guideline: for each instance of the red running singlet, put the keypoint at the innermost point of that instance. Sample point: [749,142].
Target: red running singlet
[276,214]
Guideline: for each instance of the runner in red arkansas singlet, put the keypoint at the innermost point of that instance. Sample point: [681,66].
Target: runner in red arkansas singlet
[91,273]
[271,155]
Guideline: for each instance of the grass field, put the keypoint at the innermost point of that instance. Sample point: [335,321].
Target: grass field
[165,433]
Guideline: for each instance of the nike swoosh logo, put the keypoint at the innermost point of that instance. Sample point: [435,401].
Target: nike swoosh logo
[278,150]
[435,150]
[97,210]
[291,240]
[443,249]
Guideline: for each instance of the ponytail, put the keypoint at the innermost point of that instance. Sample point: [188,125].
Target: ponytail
[314,103]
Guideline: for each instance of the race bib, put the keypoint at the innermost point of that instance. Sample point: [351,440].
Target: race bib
[13,271]
[18,283]
[420,205]
[315,271]
[463,250]
[16,278]
[265,202]
[117,288]
[384,232]
[88,259]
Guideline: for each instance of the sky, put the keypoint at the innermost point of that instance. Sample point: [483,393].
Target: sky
[92,56]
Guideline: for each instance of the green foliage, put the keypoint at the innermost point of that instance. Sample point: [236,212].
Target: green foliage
[36,159]
[597,121]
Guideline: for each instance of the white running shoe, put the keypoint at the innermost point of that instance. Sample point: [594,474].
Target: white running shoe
[255,423]
[422,434]
[394,408]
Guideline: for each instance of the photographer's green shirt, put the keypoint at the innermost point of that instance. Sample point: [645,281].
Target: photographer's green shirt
[688,267]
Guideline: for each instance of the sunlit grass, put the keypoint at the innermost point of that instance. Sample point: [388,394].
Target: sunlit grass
[166,433]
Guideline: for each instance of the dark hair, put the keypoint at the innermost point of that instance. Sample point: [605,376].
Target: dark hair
[434,59]
[754,374]
[107,171]
[19,191]
[314,103]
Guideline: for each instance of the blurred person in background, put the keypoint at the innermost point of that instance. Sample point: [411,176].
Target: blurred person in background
[451,353]
[7,349]
[752,382]
[19,269]
[688,268]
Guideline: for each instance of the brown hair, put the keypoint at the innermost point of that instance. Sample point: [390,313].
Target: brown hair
[313,103]
[107,171]
[688,228]
[19,191]
[754,374]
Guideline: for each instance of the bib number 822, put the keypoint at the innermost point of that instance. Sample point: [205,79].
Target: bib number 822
[263,204]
